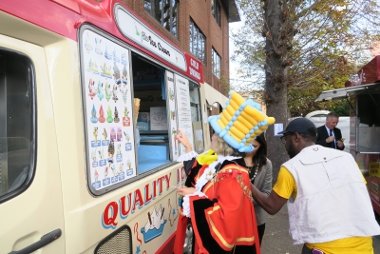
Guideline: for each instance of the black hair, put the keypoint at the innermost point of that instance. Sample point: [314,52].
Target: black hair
[260,158]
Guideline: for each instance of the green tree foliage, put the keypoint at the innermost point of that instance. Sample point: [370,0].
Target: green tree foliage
[302,47]
[320,44]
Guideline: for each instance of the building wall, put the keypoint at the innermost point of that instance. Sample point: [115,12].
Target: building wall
[216,36]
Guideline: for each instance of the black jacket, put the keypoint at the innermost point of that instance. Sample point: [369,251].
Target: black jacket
[322,134]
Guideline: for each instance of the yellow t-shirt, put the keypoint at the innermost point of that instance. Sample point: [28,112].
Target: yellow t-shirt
[285,187]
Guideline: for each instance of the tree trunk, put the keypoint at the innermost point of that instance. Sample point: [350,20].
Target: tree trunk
[278,33]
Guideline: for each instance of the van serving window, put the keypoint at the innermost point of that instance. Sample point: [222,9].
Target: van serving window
[16,123]
[152,122]
[133,108]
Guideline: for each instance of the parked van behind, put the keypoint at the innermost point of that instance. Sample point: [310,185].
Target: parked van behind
[365,124]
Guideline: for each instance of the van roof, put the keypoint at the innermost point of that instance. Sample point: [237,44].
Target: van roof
[317,113]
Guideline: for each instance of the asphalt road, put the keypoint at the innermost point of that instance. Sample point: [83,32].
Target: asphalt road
[278,241]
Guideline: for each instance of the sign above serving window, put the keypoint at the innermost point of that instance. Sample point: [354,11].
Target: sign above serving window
[135,30]
[194,68]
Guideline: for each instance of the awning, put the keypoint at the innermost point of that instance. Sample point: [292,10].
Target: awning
[348,91]
[212,95]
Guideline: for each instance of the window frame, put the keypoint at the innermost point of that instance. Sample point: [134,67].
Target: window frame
[91,171]
[197,42]
[172,25]
[216,64]
[32,153]
[216,11]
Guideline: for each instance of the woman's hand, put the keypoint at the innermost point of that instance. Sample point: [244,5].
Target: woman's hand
[183,191]
[182,138]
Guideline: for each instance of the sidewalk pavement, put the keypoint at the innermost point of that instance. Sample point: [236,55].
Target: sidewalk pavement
[278,241]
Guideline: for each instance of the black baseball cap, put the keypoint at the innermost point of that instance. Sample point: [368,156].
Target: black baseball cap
[300,125]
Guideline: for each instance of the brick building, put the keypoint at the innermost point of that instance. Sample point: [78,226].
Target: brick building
[199,27]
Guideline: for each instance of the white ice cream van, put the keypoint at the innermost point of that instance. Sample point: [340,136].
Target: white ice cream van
[91,99]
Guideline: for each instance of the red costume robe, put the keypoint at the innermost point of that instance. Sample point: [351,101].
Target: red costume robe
[224,221]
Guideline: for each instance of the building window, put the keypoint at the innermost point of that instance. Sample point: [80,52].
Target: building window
[215,10]
[165,12]
[197,42]
[215,63]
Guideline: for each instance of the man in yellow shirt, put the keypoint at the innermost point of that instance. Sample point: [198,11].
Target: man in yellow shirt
[329,208]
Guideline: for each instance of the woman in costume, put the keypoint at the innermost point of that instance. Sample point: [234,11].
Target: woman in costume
[217,197]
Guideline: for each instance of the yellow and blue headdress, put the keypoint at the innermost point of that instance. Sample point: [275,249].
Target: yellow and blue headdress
[240,122]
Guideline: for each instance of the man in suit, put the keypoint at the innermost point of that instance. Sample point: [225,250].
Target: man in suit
[328,135]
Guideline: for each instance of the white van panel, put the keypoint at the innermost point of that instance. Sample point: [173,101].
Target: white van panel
[39,209]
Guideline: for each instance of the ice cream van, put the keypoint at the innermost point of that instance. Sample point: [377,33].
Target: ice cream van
[91,99]
[364,94]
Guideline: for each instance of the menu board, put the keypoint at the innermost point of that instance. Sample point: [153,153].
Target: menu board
[183,108]
[172,114]
[158,119]
[108,111]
